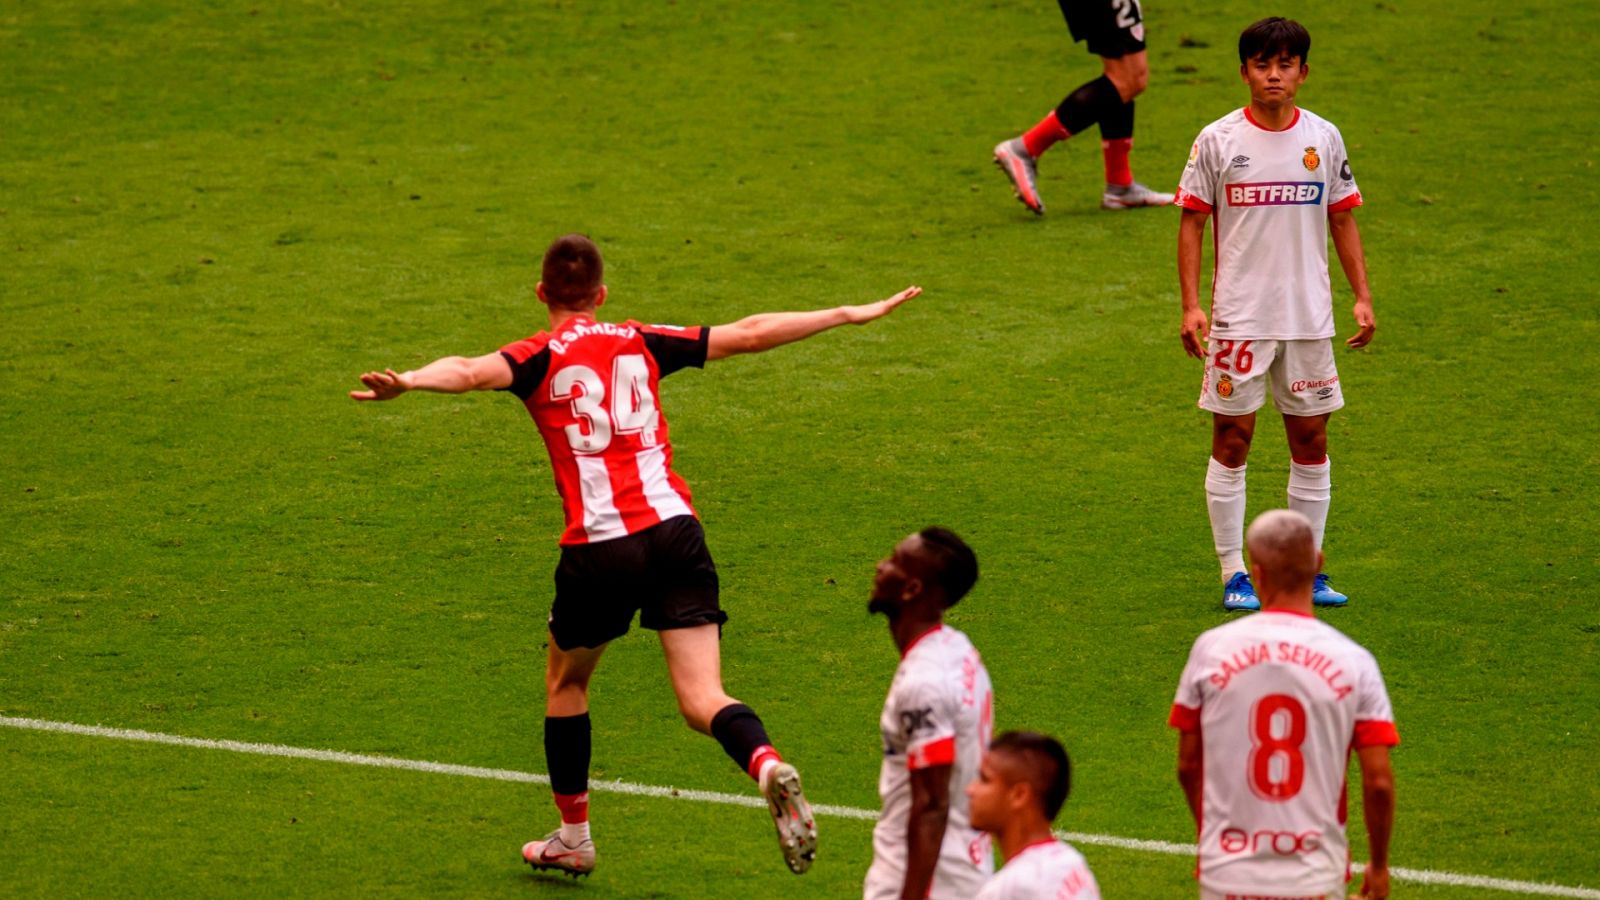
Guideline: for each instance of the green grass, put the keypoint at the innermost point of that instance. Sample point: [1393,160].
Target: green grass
[212,216]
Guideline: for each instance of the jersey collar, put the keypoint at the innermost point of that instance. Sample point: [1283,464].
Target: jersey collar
[918,639]
[1292,122]
[1289,612]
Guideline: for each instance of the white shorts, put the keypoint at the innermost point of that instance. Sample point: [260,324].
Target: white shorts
[1304,380]
[1213,895]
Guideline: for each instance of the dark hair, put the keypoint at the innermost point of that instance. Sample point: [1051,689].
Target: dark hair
[1274,37]
[1047,767]
[955,565]
[572,271]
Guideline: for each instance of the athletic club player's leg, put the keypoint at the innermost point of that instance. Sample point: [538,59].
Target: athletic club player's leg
[694,660]
[566,749]
[1107,101]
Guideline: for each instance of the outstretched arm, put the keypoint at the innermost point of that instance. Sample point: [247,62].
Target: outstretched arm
[1377,804]
[1191,232]
[1347,241]
[764,331]
[450,375]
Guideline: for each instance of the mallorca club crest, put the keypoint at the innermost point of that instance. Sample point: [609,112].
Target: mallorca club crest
[1224,386]
[1311,159]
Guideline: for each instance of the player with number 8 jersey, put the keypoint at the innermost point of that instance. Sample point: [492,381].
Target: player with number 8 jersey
[1270,708]
[632,543]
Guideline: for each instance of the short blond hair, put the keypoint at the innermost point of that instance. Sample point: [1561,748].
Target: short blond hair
[1283,544]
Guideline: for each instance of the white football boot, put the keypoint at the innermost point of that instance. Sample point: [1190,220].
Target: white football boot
[1133,196]
[791,815]
[553,853]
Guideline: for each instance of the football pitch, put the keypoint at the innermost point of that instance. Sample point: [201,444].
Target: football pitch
[213,216]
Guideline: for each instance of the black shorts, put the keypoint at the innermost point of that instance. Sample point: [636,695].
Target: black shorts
[1113,28]
[664,573]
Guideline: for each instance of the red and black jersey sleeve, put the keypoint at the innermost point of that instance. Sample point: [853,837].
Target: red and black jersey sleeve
[675,347]
[530,361]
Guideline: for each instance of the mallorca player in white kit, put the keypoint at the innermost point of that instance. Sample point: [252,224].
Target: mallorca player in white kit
[1277,181]
[936,724]
[1021,786]
[1269,709]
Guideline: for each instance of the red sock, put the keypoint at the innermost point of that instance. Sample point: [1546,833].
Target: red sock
[1116,153]
[1040,137]
[574,807]
[759,757]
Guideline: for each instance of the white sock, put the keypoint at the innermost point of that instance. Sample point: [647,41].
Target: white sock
[1310,490]
[574,833]
[1225,502]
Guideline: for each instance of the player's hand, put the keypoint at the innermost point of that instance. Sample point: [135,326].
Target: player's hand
[1195,330]
[385,385]
[1374,884]
[1366,324]
[866,312]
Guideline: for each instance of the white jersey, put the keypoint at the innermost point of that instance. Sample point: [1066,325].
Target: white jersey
[1279,699]
[1048,870]
[940,712]
[1270,194]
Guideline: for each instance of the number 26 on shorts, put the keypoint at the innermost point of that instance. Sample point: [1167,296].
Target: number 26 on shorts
[1243,359]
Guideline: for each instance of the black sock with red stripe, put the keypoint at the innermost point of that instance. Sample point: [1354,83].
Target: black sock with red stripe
[743,738]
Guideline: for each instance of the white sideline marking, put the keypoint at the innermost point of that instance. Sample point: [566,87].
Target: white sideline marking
[1419,876]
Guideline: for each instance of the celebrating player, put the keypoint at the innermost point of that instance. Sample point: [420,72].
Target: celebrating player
[1269,708]
[1114,30]
[1276,179]
[936,722]
[1021,786]
[632,541]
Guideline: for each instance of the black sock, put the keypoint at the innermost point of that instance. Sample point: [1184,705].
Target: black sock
[1118,123]
[739,730]
[566,752]
[1091,103]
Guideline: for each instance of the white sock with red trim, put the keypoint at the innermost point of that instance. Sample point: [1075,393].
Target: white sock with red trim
[1225,503]
[1311,493]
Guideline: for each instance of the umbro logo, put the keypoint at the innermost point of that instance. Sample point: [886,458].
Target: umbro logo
[1241,162]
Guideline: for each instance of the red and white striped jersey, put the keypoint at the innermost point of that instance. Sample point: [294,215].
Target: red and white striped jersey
[940,712]
[591,388]
[1048,870]
[1269,194]
[1279,700]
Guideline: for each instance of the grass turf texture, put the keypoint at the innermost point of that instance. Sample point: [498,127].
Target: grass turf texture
[214,216]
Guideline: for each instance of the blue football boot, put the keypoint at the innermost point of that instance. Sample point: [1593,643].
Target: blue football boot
[1323,594]
[1240,594]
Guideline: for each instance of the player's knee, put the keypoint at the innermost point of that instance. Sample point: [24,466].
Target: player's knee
[1231,447]
[1133,83]
[698,712]
[561,685]
[1309,447]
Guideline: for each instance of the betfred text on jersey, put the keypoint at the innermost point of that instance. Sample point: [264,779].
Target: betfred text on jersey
[1275,193]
